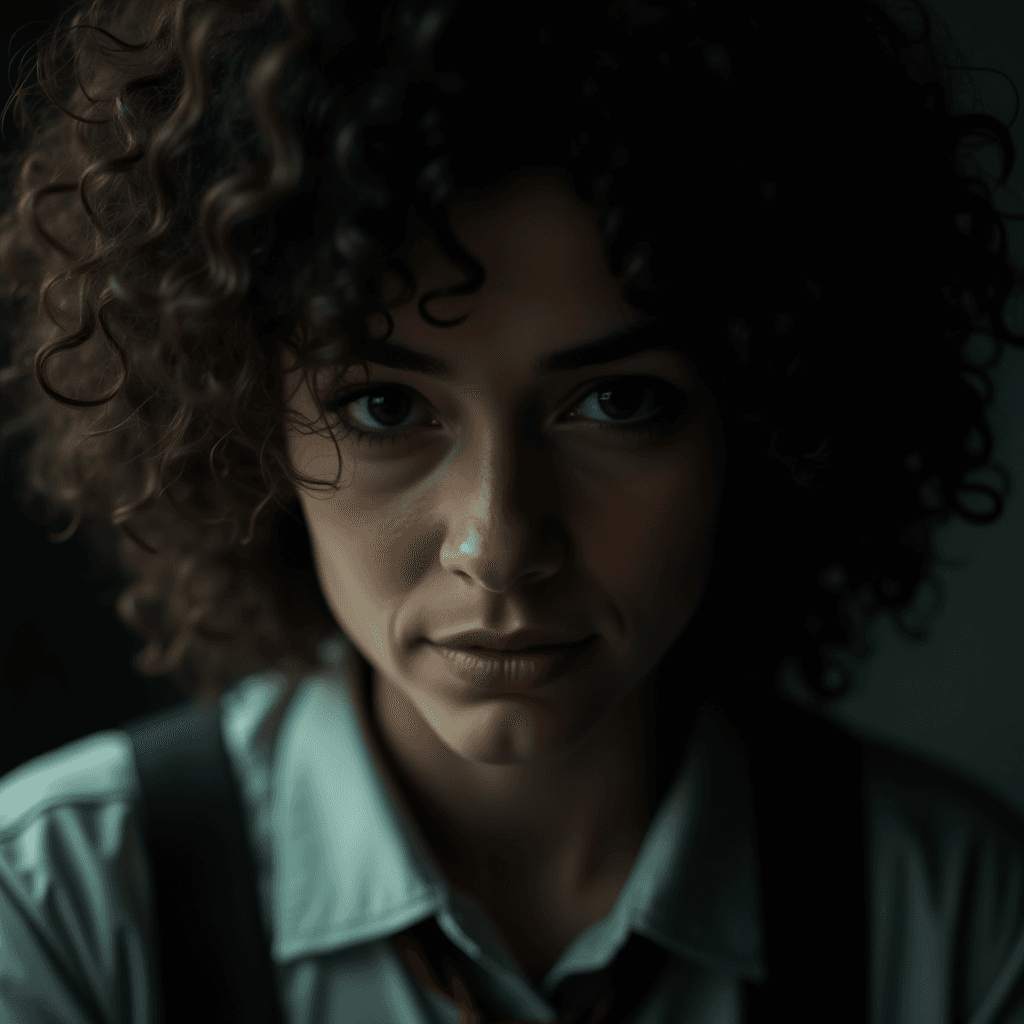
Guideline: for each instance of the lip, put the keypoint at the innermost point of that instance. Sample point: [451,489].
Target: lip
[513,671]
[532,637]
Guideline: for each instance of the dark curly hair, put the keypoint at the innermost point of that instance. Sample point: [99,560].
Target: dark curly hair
[784,186]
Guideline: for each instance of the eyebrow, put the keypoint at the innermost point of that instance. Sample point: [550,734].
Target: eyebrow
[645,336]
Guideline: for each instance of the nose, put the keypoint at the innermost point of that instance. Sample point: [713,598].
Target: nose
[499,531]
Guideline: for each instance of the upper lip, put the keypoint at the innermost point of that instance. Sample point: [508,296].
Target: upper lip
[494,641]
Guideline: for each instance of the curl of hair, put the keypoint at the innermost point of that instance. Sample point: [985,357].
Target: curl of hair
[203,186]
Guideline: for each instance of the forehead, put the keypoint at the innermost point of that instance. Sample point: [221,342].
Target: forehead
[536,220]
[547,282]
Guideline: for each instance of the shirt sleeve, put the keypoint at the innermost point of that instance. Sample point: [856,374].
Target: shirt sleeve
[74,889]
[946,897]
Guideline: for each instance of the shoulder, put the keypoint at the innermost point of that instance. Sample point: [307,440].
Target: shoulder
[946,889]
[90,771]
[912,801]
[73,884]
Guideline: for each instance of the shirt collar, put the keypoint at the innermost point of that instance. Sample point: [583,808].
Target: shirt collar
[348,864]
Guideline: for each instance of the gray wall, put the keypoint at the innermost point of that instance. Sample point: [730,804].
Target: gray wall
[959,697]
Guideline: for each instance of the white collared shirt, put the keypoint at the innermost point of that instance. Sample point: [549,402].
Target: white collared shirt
[341,869]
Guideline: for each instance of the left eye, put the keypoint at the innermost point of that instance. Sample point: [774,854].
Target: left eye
[622,401]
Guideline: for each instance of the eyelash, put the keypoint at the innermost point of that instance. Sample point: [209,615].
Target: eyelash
[672,405]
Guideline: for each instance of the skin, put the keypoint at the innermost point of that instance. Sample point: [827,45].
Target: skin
[505,502]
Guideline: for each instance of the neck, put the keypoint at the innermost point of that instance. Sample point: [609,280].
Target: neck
[572,821]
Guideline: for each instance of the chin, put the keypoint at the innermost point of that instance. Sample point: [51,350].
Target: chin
[508,733]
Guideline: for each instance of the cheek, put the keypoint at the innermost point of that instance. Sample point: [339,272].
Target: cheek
[369,558]
[647,534]
[413,555]
[336,552]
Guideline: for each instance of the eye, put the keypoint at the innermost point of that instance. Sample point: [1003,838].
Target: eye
[621,400]
[636,405]
[384,408]
[381,412]
[632,404]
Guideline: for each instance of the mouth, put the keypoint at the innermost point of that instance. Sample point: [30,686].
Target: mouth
[495,652]
[511,672]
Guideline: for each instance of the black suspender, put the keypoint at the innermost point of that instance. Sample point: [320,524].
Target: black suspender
[806,776]
[213,951]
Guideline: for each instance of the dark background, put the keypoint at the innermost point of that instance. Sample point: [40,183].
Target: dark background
[959,698]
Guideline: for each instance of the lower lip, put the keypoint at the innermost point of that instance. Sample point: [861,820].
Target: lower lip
[515,672]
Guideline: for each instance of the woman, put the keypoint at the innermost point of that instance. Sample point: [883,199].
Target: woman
[496,405]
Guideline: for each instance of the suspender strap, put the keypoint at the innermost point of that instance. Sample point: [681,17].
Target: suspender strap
[806,775]
[212,949]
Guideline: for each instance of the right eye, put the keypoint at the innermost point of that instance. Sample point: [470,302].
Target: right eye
[379,412]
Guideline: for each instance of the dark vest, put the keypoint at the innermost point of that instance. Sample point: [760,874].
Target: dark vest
[212,945]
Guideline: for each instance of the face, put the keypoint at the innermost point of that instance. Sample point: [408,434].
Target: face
[512,500]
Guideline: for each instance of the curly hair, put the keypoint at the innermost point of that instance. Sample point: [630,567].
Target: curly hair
[202,185]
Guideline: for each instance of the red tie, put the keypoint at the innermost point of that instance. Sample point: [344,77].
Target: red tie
[608,996]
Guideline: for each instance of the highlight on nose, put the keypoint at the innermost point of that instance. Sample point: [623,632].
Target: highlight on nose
[484,556]
[471,545]
[498,552]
